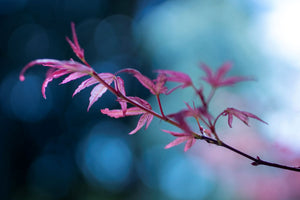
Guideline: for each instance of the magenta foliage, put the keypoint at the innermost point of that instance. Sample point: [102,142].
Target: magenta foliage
[58,69]
[75,45]
[181,137]
[178,77]
[102,82]
[145,118]
[156,86]
[241,115]
[217,79]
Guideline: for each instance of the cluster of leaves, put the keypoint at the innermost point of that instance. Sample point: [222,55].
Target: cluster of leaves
[103,82]
[131,105]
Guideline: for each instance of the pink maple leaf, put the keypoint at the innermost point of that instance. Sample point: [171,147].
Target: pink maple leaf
[180,118]
[155,86]
[141,102]
[75,44]
[58,69]
[181,137]
[98,90]
[179,77]
[117,113]
[159,84]
[73,76]
[197,112]
[145,118]
[241,115]
[218,79]
[119,86]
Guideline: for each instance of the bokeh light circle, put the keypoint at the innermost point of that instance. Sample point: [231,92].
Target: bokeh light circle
[105,159]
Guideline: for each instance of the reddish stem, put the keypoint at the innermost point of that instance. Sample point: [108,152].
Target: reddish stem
[210,96]
[215,121]
[160,107]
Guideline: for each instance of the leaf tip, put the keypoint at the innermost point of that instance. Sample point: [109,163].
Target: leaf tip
[168,146]
[22,78]
[132,132]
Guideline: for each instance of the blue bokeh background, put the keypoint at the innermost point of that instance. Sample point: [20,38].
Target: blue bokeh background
[55,149]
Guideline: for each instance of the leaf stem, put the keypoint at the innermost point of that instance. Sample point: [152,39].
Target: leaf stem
[160,107]
[215,121]
[210,96]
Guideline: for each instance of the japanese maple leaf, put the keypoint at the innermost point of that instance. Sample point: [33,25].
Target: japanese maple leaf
[217,79]
[119,86]
[197,112]
[58,69]
[181,137]
[76,70]
[179,117]
[98,90]
[145,118]
[75,44]
[187,134]
[241,115]
[178,77]
[155,86]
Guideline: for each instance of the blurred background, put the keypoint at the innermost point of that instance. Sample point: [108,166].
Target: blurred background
[55,149]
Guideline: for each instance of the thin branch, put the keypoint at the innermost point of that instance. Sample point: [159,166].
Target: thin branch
[210,96]
[256,161]
[215,121]
[160,107]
